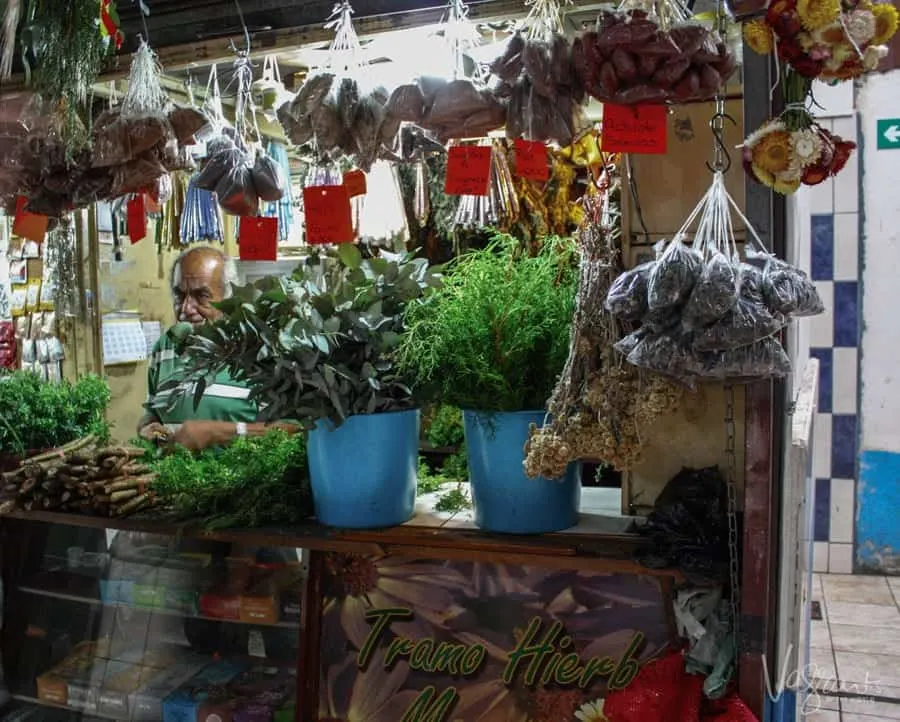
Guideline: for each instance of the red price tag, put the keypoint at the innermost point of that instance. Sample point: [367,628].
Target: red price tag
[355,183]
[327,212]
[258,238]
[468,170]
[530,160]
[31,226]
[634,129]
[136,218]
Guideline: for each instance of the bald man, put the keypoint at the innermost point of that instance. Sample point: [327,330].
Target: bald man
[200,278]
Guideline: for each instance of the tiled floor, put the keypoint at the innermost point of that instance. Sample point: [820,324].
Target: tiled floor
[855,649]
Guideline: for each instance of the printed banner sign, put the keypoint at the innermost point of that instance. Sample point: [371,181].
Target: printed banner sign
[420,640]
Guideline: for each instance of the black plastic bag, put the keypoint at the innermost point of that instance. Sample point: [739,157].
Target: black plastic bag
[764,359]
[789,291]
[688,527]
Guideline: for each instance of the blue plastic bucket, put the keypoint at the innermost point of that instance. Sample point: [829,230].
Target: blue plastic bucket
[363,474]
[505,499]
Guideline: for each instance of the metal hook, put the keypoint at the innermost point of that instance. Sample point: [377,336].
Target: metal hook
[721,158]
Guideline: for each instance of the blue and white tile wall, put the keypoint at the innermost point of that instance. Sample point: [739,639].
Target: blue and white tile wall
[833,338]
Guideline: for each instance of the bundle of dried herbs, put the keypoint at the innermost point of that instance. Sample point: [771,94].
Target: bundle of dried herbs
[64,41]
[62,264]
[600,404]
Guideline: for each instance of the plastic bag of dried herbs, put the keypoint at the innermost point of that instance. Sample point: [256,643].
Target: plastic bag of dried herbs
[627,297]
[760,360]
[715,293]
[674,275]
[747,323]
[788,290]
[665,354]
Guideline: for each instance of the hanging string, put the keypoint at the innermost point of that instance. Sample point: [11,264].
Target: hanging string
[545,18]
[459,35]
[346,43]
[721,157]
[237,6]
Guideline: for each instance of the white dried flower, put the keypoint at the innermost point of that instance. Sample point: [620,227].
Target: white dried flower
[873,55]
[860,26]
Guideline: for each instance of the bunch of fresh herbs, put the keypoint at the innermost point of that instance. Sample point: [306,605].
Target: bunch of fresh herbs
[254,482]
[36,415]
[453,470]
[444,428]
[317,345]
[496,335]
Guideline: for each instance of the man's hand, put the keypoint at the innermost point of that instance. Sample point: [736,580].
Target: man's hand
[153,431]
[200,435]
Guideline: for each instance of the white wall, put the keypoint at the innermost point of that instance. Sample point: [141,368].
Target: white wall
[879,97]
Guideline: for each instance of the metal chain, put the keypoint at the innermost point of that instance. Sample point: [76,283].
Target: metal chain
[731,472]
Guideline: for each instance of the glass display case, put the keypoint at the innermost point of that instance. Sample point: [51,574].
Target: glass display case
[124,625]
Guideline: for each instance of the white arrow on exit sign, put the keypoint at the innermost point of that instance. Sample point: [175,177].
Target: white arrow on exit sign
[888,134]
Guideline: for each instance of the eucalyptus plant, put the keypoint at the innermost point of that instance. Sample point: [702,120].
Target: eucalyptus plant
[319,344]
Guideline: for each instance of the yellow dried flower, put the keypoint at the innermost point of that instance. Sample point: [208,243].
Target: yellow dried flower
[773,151]
[759,37]
[785,187]
[886,21]
[763,176]
[815,14]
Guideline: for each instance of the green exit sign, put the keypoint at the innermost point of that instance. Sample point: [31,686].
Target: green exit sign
[888,134]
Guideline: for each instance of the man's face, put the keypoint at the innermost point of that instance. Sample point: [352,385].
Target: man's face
[201,285]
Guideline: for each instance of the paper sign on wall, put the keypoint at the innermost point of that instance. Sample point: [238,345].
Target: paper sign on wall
[468,171]
[355,183]
[136,217]
[634,129]
[29,225]
[328,218]
[258,238]
[530,160]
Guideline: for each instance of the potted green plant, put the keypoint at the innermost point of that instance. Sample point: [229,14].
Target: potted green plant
[492,341]
[318,348]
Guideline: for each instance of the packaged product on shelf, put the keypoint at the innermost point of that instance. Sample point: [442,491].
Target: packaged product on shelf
[260,602]
[260,691]
[121,680]
[33,296]
[53,685]
[191,702]
[18,300]
[146,703]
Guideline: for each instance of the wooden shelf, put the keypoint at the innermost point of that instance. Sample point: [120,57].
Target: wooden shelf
[598,541]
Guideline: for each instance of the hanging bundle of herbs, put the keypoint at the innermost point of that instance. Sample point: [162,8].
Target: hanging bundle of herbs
[600,403]
[254,482]
[62,268]
[64,40]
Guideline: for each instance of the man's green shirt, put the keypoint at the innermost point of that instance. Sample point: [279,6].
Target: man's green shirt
[224,400]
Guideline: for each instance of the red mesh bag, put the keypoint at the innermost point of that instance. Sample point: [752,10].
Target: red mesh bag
[730,709]
[662,692]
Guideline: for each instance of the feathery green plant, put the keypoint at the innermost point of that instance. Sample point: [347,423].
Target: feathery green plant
[496,335]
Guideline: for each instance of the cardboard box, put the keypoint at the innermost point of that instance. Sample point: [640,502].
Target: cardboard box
[121,680]
[191,701]
[53,685]
[83,688]
[146,703]
[259,609]
[218,605]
